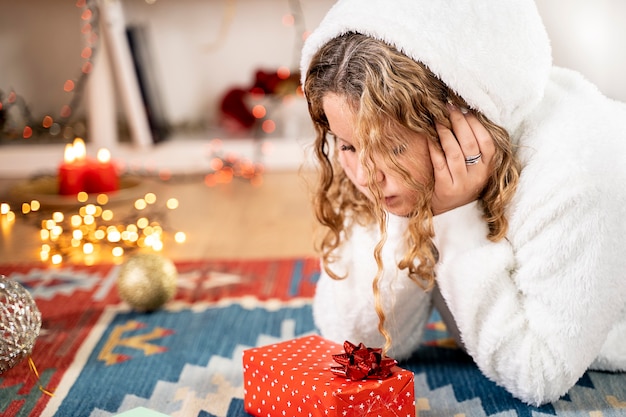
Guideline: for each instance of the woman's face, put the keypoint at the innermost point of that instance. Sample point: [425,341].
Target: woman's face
[414,156]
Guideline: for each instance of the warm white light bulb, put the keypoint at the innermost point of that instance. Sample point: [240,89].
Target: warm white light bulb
[104,155]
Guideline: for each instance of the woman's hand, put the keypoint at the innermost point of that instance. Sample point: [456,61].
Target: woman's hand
[462,169]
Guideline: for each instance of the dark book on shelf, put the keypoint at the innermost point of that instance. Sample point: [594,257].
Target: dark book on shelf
[139,45]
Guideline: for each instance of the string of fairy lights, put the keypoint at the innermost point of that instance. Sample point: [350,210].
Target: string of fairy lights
[61,125]
[94,231]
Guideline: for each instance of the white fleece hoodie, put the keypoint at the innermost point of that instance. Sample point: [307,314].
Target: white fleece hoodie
[537,309]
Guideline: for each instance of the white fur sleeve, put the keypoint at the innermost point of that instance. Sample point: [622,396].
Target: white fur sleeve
[344,309]
[535,309]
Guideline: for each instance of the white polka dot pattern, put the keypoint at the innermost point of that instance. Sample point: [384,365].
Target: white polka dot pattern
[293,378]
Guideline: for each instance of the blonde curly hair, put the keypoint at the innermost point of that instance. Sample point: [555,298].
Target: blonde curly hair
[389,92]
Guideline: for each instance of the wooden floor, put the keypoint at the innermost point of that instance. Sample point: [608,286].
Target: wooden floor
[228,221]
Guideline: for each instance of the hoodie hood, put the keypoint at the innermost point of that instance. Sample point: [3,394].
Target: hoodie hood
[494,53]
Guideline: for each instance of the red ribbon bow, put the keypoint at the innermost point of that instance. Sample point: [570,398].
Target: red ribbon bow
[360,362]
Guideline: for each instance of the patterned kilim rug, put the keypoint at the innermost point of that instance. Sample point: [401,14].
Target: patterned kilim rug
[101,358]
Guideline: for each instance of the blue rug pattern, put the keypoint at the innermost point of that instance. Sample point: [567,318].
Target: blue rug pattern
[185,360]
[198,370]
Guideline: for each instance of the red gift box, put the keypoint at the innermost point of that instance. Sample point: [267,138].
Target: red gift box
[294,378]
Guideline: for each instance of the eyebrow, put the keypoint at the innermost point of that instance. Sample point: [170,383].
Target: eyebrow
[335,135]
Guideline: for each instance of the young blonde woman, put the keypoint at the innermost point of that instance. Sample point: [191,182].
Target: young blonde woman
[460,169]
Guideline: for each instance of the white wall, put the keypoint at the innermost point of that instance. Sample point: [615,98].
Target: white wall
[589,36]
[40,43]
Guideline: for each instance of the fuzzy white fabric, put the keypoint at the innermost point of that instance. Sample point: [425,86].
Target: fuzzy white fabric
[344,309]
[536,309]
[495,54]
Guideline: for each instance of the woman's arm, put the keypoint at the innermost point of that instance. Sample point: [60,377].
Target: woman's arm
[344,309]
[535,309]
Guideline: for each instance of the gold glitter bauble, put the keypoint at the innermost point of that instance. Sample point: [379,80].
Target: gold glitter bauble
[147,281]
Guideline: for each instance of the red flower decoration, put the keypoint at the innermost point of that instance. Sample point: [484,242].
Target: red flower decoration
[360,362]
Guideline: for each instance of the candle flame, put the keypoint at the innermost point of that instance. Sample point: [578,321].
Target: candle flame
[69,155]
[104,156]
[80,151]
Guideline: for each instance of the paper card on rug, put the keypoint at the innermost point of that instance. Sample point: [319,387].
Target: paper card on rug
[141,412]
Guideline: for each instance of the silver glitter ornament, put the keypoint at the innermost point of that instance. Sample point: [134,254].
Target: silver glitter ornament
[20,322]
[147,281]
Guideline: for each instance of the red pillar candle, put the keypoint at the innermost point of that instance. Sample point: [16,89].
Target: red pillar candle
[102,176]
[72,172]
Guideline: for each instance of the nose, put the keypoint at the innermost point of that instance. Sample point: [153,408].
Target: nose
[362,178]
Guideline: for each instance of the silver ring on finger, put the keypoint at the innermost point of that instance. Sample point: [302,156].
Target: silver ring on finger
[473,159]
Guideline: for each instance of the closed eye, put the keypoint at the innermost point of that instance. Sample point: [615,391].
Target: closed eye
[347,148]
[399,150]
